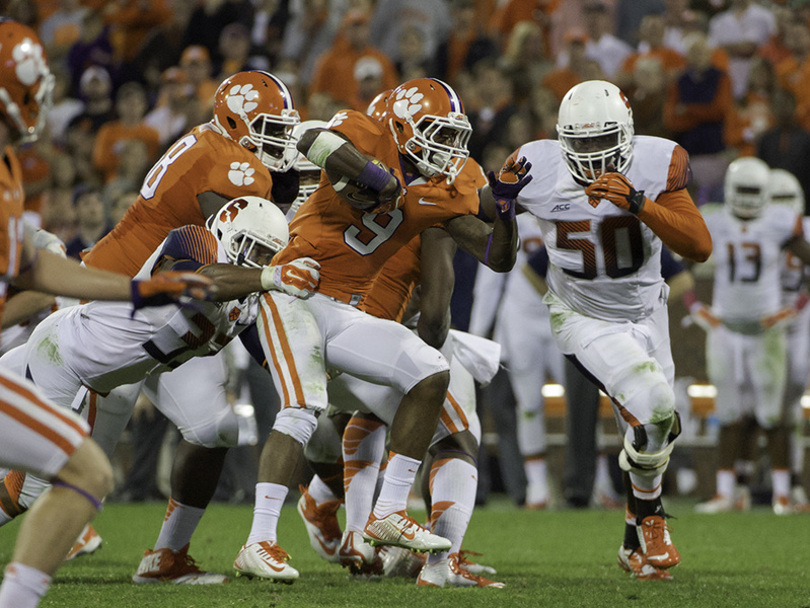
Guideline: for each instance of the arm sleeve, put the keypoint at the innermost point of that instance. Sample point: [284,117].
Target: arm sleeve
[678,223]
[191,248]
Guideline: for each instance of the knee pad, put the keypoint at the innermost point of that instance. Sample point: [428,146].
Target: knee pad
[222,432]
[638,457]
[325,444]
[297,422]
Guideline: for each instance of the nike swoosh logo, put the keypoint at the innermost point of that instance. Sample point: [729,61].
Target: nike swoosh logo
[326,549]
[408,534]
[658,557]
[424,202]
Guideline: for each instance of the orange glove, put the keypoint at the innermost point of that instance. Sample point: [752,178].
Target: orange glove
[616,188]
[298,278]
[169,286]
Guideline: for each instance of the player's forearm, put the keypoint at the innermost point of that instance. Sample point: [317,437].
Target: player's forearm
[332,152]
[24,305]
[56,275]
[232,282]
[501,248]
[679,225]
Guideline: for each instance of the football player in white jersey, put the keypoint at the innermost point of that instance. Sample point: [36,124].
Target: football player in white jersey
[135,348]
[746,353]
[606,200]
[785,189]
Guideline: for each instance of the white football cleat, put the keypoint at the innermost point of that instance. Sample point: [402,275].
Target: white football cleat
[536,497]
[400,530]
[322,525]
[89,541]
[782,505]
[175,567]
[449,572]
[466,563]
[266,560]
[354,552]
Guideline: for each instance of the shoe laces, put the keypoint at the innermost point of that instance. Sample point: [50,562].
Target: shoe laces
[184,563]
[463,560]
[455,564]
[274,551]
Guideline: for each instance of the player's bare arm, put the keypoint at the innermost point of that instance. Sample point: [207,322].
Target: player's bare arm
[333,152]
[22,306]
[50,273]
[438,278]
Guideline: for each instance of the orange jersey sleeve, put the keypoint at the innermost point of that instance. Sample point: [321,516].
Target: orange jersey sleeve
[201,161]
[353,246]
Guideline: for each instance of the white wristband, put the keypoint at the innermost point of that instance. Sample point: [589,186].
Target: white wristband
[269,276]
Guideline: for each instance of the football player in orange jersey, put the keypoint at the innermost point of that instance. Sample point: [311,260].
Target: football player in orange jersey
[422,139]
[34,434]
[246,149]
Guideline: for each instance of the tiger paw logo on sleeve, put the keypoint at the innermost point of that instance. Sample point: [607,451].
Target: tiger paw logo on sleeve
[241,174]
[241,98]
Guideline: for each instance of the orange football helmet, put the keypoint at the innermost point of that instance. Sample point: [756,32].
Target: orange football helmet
[376,108]
[256,110]
[427,119]
[26,83]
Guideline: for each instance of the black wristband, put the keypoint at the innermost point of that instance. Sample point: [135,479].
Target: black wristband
[636,202]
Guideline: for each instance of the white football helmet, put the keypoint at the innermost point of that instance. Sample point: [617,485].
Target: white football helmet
[785,189]
[746,187]
[309,174]
[246,222]
[595,130]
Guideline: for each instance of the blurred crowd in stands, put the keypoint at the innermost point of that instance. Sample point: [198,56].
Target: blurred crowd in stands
[721,77]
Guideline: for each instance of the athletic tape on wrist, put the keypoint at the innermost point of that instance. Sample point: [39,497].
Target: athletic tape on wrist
[374,176]
[323,146]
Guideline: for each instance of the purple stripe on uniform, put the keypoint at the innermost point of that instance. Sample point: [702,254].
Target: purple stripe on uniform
[455,100]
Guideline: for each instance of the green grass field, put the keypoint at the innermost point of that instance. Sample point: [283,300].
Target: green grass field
[555,558]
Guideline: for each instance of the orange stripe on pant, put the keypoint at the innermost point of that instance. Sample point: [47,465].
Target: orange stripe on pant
[36,401]
[38,427]
[286,351]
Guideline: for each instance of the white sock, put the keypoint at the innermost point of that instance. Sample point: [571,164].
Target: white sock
[4,517]
[535,469]
[646,488]
[319,491]
[781,482]
[399,476]
[453,484]
[23,586]
[363,449]
[266,511]
[726,481]
[178,525]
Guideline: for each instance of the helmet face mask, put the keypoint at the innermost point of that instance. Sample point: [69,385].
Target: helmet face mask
[595,130]
[429,126]
[26,83]
[746,187]
[255,109]
[251,229]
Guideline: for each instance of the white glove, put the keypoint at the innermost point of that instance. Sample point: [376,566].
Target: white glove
[297,278]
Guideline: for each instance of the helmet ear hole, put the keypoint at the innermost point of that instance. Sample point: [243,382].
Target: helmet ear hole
[399,127]
[231,123]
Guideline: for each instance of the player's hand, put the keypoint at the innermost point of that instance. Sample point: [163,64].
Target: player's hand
[505,188]
[298,278]
[170,286]
[703,317]
[616,188]
[780,317]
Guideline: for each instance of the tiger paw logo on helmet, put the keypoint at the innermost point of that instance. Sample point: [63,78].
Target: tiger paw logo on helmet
[29,63]
[241,98]
[407,103]
[241,174]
